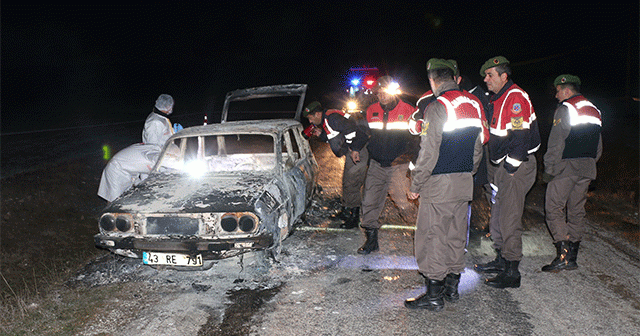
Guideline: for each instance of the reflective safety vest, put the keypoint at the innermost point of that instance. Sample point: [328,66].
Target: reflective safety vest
[518,115]
[463,126]
[417,118]
[586,123]
[332,132]
[512,111]
[397,119]
[389,131]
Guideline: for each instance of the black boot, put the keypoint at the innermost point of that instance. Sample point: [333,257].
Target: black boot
[495,266]
[573,253]
[563,258]
[451,287]
[354,219]
[343,214]
[371,244]
[432,299]
[509,278]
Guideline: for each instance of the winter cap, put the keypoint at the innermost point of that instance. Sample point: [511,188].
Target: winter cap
[566,79]
[439,63]
[164,103]
[311,108]
[493,62]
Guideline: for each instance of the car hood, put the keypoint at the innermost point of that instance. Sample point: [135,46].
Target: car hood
[169,193]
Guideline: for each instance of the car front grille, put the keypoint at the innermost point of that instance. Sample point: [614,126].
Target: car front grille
[172,225]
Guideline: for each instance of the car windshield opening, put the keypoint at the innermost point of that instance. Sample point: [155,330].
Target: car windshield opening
[203,154]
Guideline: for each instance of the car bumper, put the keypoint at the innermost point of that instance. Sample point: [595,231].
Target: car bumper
[210,249]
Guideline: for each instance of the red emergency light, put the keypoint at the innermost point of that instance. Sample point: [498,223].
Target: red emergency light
[369,82]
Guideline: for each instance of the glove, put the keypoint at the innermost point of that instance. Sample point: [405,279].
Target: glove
[177,128]
[546,177]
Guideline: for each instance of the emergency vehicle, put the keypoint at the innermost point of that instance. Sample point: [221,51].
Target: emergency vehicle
[360,84]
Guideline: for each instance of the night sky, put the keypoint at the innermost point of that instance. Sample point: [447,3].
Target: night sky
[68,66]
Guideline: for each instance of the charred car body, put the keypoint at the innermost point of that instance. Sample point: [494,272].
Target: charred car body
[217,190]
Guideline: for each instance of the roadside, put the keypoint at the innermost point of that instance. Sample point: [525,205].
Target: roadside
[56,282]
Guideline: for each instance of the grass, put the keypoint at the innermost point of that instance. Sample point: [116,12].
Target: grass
[63,310]
[34,302]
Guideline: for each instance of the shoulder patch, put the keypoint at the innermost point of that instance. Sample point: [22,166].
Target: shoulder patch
[516,123]
[516,108]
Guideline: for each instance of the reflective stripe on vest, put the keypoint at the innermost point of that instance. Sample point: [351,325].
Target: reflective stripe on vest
[525,123]
[331,133]
[582,111]
[396,125]
[459,134]
[473,118]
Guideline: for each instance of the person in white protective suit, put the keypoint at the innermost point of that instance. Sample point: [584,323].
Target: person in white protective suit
[157,127]
[132,165]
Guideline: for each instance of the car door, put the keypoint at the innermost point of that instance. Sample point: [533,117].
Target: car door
[308,162]
[296,172]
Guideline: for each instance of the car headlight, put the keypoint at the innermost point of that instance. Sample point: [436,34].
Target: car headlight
[123,224]
[108,222]
[244,222]
[229,223]
[116,222]
[247,223]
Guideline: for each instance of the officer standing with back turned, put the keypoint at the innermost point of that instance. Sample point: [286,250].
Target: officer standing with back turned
[575,144]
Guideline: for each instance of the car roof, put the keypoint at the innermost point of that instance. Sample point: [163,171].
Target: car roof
[272,126]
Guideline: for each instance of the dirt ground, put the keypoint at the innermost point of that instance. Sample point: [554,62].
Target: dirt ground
[49,217]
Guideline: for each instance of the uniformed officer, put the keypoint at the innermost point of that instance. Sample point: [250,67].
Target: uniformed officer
[514,140]
[575,144]
[481,177]
[388,123]
[450,152]
[347,137]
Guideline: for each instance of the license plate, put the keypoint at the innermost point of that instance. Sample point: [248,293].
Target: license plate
[177,259]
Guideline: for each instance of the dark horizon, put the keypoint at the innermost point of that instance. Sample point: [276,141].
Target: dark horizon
[72,66]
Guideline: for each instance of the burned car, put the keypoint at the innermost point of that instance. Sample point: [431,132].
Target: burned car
[217,191]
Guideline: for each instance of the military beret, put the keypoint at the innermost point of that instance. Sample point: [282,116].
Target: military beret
[566,79]
[439,63]
[493,62]
[311,108]
[456,72]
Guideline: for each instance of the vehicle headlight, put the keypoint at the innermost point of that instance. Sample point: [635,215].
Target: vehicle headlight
[244,222]
[123,224]
[116,222]
[351,105]
[108,222]
[229,223]
[247,223]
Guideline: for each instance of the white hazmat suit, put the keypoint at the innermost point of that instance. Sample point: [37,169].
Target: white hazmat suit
[132,165]
[128,167]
